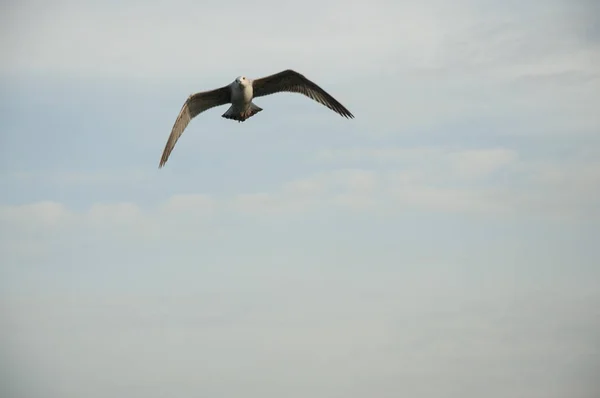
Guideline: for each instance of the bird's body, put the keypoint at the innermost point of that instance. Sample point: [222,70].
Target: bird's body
[240,94]
[242,107]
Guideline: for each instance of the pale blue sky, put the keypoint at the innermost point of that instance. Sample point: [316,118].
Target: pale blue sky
[441,244]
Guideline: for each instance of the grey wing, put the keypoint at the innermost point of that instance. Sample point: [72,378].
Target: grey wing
[193,106]
[294,82]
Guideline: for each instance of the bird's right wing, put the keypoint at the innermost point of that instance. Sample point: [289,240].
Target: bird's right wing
[294,82]
[193,106]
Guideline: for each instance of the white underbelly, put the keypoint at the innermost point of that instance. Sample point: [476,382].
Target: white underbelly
[241,97]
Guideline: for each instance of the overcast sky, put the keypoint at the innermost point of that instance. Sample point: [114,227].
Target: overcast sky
[444,243]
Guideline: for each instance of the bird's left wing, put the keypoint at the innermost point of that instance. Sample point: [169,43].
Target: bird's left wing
[294,82]
[193,106]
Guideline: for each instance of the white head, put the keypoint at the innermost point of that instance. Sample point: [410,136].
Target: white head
[241,80]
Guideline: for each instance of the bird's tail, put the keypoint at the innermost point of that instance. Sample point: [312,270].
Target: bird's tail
[240,116]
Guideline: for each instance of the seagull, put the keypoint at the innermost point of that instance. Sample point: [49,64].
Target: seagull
[240,94]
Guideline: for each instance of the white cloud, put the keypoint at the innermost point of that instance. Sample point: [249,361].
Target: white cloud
[431,198]
[341,188]
[257,203]
[389,180]
[525,71]
[462,163]
[473,164]
[46,213]
[190,204]
[68,177]
[488,180]
[156,38]
[37,230]
[116,214]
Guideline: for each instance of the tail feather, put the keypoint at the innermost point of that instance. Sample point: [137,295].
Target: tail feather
[235,114]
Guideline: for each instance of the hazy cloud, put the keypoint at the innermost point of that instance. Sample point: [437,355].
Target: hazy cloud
[443,243]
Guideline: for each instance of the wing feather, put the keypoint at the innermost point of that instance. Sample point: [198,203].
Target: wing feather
[292,81]
[193,106]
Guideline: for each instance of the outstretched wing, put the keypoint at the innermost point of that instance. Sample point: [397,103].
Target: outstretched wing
[193,106]
[294,82]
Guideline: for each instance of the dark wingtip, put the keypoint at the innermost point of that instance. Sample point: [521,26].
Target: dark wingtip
[346,113]
[163,161]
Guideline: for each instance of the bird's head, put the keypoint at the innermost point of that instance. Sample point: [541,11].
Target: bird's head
[241,81]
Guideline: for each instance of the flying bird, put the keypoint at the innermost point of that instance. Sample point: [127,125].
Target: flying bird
[240,94]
